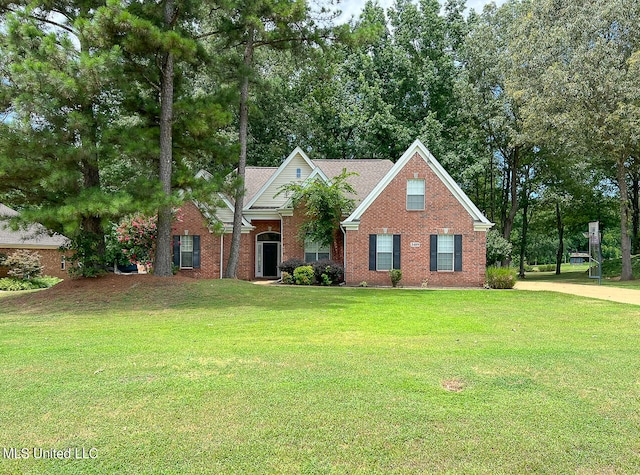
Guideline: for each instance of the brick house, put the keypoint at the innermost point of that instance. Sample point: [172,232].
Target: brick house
[35,238]
[410,215]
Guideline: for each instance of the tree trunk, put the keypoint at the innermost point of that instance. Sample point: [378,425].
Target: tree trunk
[525,227]
[635,216]
[231,271]
[560,227]
[163,260]
[512,193]
[624,220]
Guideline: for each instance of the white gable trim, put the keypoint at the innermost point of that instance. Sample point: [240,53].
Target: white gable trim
[419,148]
[296,151]
[316,173]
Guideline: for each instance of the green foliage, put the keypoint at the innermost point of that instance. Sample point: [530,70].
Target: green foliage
[290,265]
[396,276]
[303,275]
[24,264]
[3,256]
[287,278]
[324,206]
[547,268]
[501,277]
[612,268]
[333,271]
[498,248]
[13,284]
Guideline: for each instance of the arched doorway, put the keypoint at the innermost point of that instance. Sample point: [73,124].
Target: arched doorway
[268,254]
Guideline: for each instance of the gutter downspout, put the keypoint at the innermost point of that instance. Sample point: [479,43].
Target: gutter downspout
[344,252]
[221,254]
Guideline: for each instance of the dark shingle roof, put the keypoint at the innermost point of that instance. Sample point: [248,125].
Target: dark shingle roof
[35,236]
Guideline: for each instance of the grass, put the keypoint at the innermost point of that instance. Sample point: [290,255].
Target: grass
[230,377]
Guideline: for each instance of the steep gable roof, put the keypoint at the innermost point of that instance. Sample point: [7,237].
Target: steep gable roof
[34,236]
[255,178]
[369,172]
[481,222]
[297,152]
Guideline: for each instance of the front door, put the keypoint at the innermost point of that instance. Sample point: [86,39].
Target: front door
[267,254]
[270,259]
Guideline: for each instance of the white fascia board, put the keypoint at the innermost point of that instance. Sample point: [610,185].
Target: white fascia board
[252,214]
[285,212]
[350,226]
[296,151]
[479,226]
[418,147]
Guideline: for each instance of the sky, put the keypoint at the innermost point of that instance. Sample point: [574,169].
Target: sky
[353,7]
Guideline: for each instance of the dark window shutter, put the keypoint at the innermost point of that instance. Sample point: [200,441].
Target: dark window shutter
[196,252]
[396,251]
[373,241]
[457,253]
[176,251]
[433,252]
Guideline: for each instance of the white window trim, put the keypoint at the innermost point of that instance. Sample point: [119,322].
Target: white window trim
[390,253]
[409,182]
[452,253]
[317,250]
[181,247]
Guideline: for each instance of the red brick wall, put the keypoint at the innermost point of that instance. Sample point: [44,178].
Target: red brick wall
[246,266]
[195,224]
[293,247]
[51,259]
[442,210]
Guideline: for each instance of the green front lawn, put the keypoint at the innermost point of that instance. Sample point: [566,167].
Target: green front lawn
[230,377]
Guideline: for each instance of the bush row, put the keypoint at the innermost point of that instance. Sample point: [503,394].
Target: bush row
[501,277]
[324,272]
[15,284]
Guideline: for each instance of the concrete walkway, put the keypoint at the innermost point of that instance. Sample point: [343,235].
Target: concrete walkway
[602,292]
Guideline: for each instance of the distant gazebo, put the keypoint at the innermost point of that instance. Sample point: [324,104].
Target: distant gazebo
[579,258]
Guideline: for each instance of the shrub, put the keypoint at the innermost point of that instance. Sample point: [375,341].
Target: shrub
[363,284]
[24,264]
[290,265]
[333,270]
[498,248]
[303,275]
[2,258]
[501,277]
[547,268]
[13,284]
[528,268]
[396,276]
[287,278]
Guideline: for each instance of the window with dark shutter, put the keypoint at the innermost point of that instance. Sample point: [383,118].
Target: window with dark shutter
[372,251]
[396,251]
[457,255]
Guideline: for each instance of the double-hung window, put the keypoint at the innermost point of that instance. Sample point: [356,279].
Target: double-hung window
[384,252]
[315,252]
[445,252]
[186,251]
[415,195]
